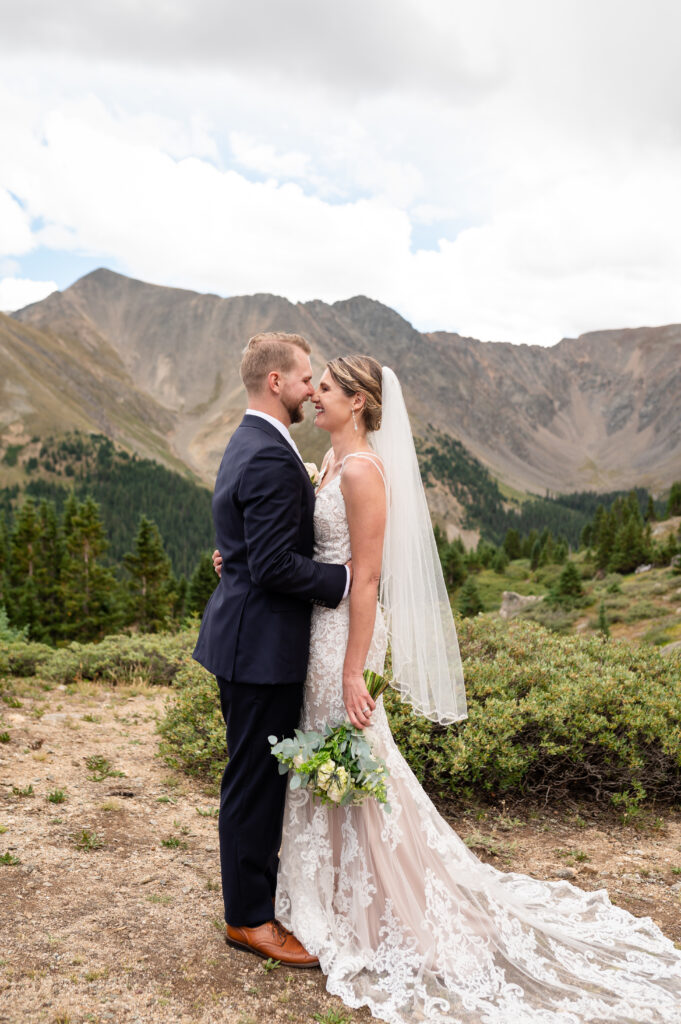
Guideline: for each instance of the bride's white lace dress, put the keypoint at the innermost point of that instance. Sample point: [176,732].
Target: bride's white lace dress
[407,921]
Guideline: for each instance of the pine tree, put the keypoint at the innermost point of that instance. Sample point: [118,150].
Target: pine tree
[469,603]
[500,563]
[650,510]
[535,554]
[89,589]
[605,538]
[548,548]
[529,542]
[628,548]
[512,543]
[560,554]
[150,585]
[4,561]
[568,588]
[453,566]
[48,572]
[201,585]
[586,536]
[24,555]
[603,626]
[674,500]
[180,589]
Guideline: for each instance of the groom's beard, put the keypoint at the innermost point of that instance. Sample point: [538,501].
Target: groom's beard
[296,413]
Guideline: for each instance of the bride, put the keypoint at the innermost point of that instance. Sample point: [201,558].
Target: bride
[403,917]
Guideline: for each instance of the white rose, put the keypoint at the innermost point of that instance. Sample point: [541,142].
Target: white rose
[338,786]
[312,472]
[298,761]
[325,773]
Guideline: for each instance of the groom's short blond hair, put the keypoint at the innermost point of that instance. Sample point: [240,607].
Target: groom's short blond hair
[271,350]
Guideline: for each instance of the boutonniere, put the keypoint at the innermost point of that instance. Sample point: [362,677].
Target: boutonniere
[312,472]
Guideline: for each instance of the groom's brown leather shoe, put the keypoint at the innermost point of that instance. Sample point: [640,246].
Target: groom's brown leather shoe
[271,941]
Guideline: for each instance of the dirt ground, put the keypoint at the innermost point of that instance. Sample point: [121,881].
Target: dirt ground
[110,907]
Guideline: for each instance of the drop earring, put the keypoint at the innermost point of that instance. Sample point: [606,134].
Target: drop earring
[354,421]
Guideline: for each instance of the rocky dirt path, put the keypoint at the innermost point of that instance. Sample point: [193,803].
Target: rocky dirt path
[110,907]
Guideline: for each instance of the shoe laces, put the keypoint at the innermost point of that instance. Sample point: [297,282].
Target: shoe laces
[279,933]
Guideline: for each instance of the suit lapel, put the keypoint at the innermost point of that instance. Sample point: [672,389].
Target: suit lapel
[260,424]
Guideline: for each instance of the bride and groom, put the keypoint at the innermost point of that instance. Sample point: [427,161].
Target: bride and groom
[397,911]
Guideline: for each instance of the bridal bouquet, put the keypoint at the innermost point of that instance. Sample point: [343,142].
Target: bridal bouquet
[337,765]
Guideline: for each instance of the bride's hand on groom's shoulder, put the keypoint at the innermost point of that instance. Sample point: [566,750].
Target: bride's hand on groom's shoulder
[217,562]
[358,702]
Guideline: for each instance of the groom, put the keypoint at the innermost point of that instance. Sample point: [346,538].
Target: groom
[255,630]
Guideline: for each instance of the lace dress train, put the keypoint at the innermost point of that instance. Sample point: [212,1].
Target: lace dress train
[407,921]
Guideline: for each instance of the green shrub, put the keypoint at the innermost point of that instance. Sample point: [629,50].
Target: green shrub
[25,659]
[149,658]
[548,714]
[556,618]
[193,730]
[9,633]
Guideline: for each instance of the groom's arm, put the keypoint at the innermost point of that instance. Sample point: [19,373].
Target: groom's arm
[270,494]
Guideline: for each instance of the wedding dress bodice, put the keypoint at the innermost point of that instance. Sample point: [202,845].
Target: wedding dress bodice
[407,921]
[324,701]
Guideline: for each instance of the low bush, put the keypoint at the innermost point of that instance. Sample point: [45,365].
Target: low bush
[22,658]
[588,717]
[149,658]
[548,714]
[192,730]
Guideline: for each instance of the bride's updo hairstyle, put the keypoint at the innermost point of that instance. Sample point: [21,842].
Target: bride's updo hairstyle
[361,375]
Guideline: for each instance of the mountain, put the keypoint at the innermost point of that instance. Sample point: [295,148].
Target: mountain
[157,368]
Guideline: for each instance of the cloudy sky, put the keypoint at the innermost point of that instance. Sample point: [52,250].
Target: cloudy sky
[507,169]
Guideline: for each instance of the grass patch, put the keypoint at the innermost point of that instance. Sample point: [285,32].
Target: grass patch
[101,768]
[87,840]
[173,843]
[110,806]
[57,796]
[332,1017]
[9,859]
[23,790]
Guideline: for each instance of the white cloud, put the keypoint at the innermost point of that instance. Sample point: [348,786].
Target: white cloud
[15,228]
[17,292]
[539,142]
[263,158]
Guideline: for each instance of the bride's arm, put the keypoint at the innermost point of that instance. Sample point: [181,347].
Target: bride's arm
[364,496]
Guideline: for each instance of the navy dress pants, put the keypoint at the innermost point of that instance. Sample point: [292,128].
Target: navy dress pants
[252,795]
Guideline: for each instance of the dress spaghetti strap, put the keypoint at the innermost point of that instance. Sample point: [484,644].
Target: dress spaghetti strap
[374,459]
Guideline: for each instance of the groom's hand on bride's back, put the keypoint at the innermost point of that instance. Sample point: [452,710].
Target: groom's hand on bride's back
[217,562]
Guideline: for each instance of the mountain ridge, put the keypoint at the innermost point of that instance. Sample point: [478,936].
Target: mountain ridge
[599,411]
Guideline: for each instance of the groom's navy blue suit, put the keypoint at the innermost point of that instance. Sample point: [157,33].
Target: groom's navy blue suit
[254,638]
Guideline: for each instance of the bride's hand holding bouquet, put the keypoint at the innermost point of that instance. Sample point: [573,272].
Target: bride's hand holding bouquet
[338,766]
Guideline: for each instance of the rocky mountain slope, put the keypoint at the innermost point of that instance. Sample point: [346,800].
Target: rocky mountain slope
[158,368]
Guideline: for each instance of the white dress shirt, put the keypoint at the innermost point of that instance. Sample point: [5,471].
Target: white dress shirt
[285,434]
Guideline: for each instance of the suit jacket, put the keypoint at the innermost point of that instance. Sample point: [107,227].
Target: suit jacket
[256,626]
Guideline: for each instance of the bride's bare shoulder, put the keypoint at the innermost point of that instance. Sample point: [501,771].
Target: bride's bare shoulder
[362,471]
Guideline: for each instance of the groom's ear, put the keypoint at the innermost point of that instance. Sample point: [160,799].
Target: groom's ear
[274,381]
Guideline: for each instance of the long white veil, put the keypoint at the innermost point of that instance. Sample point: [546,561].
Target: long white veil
[426,661]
